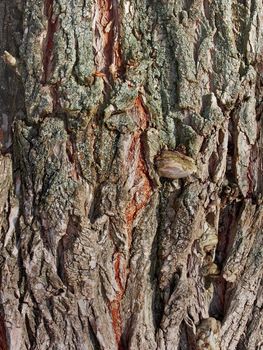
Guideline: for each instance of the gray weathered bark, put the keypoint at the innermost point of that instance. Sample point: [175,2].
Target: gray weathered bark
[103,246]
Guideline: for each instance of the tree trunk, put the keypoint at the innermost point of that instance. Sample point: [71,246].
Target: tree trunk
[131,174]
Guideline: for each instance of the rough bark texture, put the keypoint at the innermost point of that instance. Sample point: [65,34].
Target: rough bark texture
[97,250]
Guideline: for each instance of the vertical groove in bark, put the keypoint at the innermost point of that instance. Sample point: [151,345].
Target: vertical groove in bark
[97,250]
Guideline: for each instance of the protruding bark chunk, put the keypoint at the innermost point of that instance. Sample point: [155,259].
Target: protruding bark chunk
[175,165]
[9,59]
[208,334]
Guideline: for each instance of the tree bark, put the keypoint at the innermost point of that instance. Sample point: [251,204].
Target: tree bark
[131,174]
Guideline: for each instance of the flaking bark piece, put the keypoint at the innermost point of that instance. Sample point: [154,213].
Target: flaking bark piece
[174,165]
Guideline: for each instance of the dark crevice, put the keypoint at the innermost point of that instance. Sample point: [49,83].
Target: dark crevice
[187,338]
[3,335]
[228,220]
[22,282]
[158,303]
[93,338]
[95,207]
[187,4]
[232,149]
[30,333]
[65,244]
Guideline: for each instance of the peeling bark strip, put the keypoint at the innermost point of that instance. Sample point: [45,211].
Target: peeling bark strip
[131,179]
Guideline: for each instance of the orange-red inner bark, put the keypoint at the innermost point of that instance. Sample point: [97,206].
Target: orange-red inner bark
[144,189]
[115,304]
[49,40]
[137,203]
[112,58]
